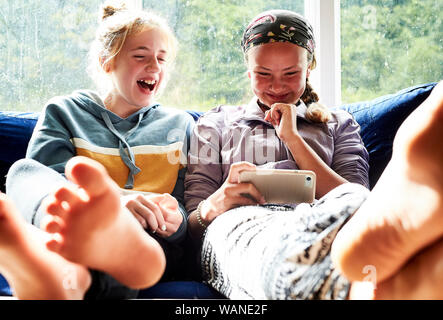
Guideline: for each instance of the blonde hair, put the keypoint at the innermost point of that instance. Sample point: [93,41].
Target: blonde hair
[117,23]
[316,112]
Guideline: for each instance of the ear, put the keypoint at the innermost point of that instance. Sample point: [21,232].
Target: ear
[308,71]
[106,66]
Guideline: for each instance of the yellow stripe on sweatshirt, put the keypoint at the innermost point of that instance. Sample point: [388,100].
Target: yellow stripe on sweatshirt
[159,164]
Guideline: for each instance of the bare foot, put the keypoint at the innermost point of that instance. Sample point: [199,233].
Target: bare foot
[404,212]
[32,270]
[420,279]
[90,227]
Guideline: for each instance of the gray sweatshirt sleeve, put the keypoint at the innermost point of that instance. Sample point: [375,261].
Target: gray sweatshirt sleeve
[50,143]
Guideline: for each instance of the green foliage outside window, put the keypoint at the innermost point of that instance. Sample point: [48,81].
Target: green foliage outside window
[389,45]
[386,46]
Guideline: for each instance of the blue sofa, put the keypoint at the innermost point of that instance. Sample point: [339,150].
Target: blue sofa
[379,120]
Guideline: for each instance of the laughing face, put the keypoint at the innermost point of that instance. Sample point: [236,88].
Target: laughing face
[278,72]
[137,72]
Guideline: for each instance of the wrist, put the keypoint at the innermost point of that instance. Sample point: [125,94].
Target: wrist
[198,215]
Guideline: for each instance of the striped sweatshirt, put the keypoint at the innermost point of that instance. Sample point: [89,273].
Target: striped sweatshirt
[145,152]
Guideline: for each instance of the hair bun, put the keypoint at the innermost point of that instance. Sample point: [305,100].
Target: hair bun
[111,7]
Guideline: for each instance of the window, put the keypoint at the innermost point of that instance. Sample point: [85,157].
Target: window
[210,69]
[43,48]
[45,43]
[389,45]
[386,46]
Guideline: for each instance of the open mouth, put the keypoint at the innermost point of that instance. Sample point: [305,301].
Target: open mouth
[147,84]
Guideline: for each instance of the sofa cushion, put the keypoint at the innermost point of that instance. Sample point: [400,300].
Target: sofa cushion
[5,290]
[15,132]
[380,119]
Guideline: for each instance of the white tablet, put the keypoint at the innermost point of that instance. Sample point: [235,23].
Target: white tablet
[282,186]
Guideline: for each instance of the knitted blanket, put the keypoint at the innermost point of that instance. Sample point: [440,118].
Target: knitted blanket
[280,252]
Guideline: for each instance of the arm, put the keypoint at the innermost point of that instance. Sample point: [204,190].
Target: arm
[153,212]
[283,118]
[50,143]
[351,159]
[204,180]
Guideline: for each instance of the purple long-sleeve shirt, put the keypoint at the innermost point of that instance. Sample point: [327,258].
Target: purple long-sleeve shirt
[229,134]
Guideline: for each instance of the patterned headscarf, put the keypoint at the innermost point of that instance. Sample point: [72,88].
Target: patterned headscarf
[279,26]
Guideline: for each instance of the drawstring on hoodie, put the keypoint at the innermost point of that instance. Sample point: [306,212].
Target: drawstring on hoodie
[124,149]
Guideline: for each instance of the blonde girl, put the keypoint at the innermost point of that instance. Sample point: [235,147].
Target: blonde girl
[117,144]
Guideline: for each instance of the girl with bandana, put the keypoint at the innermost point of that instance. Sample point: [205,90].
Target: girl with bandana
[282,127]
[254,250]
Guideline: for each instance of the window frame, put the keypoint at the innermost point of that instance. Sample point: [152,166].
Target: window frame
[324,16]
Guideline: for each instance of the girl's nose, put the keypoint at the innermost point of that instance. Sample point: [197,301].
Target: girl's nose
[277,85]
[153,65]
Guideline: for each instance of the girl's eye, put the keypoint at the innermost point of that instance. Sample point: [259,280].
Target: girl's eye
[139,57]
[290,74]
[263,74]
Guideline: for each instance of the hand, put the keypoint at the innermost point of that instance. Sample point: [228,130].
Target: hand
[284,119]
[158,213]
[232,194]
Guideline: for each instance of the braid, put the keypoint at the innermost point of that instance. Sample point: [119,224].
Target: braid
[316,112]
[309,96]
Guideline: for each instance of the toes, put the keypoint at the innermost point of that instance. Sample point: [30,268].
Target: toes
[55,243]
[53,207]
[52,224]
[60,203]
[68,195]
[89,175]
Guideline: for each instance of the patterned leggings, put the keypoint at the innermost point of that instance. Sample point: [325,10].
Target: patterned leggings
[278,252]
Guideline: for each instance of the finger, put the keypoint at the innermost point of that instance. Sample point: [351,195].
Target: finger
[250,190]
[242,201]
[237,168]
[148,216]
[141,213]
[267,115]
[276,111]
[140,219]
[151,211]
[171,227]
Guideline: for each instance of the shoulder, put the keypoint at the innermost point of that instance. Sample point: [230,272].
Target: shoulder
[174,113]
[68,102]
[222,116]
[341,118]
